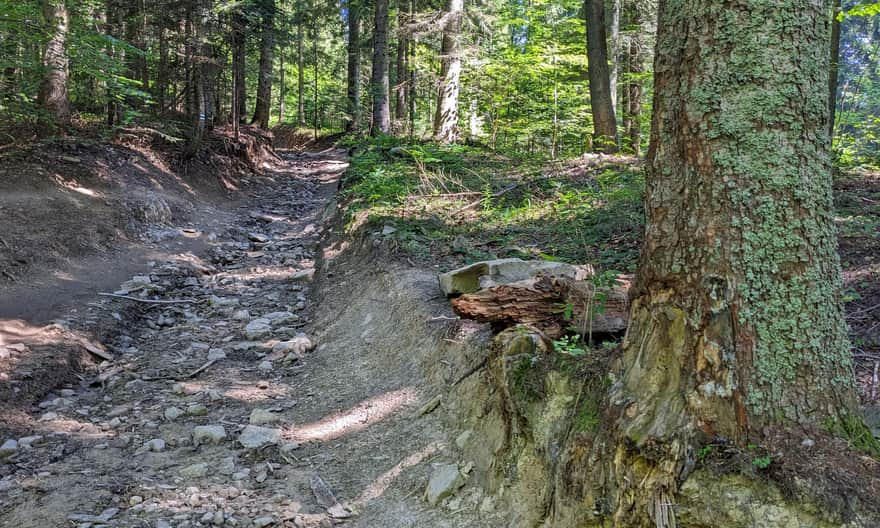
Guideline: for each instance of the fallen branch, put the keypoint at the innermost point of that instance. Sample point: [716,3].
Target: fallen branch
[197,371]
[149,301]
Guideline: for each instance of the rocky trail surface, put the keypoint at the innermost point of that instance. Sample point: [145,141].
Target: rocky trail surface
[224,404]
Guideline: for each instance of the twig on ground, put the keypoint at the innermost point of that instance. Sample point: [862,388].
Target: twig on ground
[204,367]
[149,301]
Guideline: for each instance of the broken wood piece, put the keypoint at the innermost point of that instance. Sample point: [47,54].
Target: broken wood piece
[550,304]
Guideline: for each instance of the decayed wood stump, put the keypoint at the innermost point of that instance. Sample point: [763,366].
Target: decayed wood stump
[550,304]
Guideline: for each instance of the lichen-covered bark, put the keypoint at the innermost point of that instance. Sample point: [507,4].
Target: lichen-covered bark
[54,95]
[446,119]
[736,321]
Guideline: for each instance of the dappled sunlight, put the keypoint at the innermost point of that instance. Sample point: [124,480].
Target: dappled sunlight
[271,273]
[256,392]
[357,418]
[378,487]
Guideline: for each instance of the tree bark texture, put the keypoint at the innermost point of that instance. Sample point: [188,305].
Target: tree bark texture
[380,85]
[446,119]
[354,65]
[239,49]
[604,122]
[300,68]
[264,80]
[400,85]
[736,319]
[54,94]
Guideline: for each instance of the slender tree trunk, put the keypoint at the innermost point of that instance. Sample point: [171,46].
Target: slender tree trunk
[380,86]
[239,52]
[411,88]
[354,65]
[282,89]
[446,119]
[161,88]
[54,95]
[300,68]
[400,86]
[315,95]
[111,28]
[604,122]
[634,63]
[614,51]
[264,82]
[835,67]
[736,321]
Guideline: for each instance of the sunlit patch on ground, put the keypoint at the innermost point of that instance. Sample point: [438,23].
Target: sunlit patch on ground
[357,418]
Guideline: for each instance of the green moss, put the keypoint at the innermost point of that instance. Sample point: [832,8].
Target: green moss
[853,429]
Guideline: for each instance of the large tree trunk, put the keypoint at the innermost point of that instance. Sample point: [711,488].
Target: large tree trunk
[379,85]
[446,119]
[835,66]
[354,65]
[736,321]
[264,81]
[239,52]
[54,95]
[604,122]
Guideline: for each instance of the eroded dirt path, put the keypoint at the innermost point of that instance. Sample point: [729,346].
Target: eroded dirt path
[233,410]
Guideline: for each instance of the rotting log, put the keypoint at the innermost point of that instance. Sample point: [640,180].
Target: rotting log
[550,304]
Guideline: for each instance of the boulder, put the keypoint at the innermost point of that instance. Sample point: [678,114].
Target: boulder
[490,273]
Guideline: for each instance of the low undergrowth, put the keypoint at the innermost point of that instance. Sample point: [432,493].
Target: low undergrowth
[446,205]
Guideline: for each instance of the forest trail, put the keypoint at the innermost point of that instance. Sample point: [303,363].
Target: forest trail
[234,410]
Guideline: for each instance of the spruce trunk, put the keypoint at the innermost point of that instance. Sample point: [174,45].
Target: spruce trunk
[446,118]
[736,322]
[380,85]
[604,122]
[54,94]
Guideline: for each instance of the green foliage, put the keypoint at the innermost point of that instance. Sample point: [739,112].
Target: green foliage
[762,462]
[570,345]
[464,203]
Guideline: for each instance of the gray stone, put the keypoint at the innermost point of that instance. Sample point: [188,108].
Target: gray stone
[462,439]
[503,271]
[304,275]
[5,485]
[262,416]
[195,470]
[173,413]
[8,448]
[241,315]
[257,328]
[262,522]
[226,466]
[265,366]
[197,410]
[445,481]
[156,445]
[216,354]
[214,434]
[255,437]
